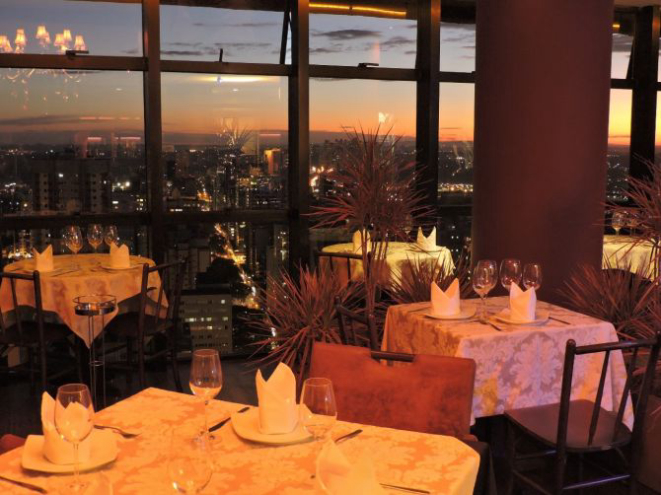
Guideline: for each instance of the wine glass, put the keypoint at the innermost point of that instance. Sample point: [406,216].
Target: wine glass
[74,414]
[189,463]
[206,378]
[485,278]
[510,272]
[532,276]
[318,411]
[73,239]
[95,235]
[617,221]
[111,236]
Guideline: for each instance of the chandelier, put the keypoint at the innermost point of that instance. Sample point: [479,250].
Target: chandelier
[65,43]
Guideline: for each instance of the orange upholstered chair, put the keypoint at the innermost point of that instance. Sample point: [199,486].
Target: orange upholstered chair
[429,394]
[9,442]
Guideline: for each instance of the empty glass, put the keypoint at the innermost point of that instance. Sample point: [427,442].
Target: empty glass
[485,278]
[206,377]
[74,415]
[189,462]
[95,235]
[318,411]
[111,236]
[532,276]
[510,272]
[617,221]
[73,239]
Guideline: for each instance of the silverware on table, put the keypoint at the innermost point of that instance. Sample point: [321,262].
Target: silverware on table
[219,425]
[348,436]
[491,324]
[403,488]
[24,484]
[124,433]
[559,320]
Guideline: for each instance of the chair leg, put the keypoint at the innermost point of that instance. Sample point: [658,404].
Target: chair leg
[511,459]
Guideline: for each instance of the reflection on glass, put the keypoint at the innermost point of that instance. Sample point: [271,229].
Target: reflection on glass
[619,139]
[55,26]
[457,47]
[197,30]
[623,27]
[225,142]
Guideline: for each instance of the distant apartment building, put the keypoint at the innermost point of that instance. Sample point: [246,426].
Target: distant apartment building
[208,317]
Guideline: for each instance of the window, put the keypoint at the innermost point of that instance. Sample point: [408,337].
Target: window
[457,47]
[619,139]
[623,26]
[225,142]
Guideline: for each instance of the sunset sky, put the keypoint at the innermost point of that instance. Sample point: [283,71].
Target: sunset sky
[200,104]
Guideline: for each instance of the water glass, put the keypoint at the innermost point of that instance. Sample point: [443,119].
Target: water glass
[95,235]
[532,276]
[73,238]
[318,411]
[74,421]
[485,278]
[510,272]
[618,221]
[189,461]
[111,236]
[206,378]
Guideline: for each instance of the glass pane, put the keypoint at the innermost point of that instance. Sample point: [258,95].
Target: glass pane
[457,47]
[657,149]
[243,30]
[342,34]
[455,147]
[623,26]
[225,141]
[228,265]
[619,140]
[53,26]
[72,141]
[338,107]
[454,233]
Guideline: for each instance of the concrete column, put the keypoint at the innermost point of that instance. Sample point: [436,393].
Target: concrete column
[541,130]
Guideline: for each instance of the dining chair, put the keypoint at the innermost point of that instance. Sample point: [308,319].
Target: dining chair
[22,324]
[158,313]
[355,328]
[582,428]
[337,260]
[423,393]
[10,442]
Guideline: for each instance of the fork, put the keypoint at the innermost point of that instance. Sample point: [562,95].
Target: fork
[124,433]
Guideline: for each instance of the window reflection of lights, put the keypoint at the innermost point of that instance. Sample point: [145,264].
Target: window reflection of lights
[357,8]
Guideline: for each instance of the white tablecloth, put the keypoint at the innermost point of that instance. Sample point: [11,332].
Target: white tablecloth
[518,367]
[440,464]
[620,252]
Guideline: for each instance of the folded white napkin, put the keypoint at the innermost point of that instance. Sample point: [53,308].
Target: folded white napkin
[56,449]
[119,256]
[446,303]
[44,260]
[426,243]
[339,477]
[278,412]
[356,240]
[522,304]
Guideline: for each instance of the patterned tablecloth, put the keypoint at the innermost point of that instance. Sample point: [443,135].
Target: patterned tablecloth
[398,254]
[436,463]
[59,290]
[620,252]
[518,367]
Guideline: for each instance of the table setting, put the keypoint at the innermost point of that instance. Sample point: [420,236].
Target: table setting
[278,446]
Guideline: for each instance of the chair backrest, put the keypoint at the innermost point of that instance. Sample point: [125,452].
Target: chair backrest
[353,324]
[429,394]
[637,347]
[10,282]
[337,260]
[154,296]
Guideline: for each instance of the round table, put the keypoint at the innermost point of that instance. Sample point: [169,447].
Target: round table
[622,251]
[83,274]
[397,257]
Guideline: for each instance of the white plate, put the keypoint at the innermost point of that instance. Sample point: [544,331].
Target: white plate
[107,266]
[464,314]
[246,425]
[541,317]
[104,451]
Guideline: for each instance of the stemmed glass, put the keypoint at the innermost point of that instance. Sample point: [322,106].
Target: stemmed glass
[510,272]
[95,235]
[74,414]
[206,378]
[189,463]
[318,411]
[485,278]
[111,236]
[617,221]
[73,239]
[532,276]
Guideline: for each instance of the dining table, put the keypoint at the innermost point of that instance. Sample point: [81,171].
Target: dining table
[518,365]
[73,276]
[627,252]
[432,463]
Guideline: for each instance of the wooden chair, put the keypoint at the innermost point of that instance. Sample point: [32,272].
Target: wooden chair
[10,442]
[353,327]
[429,394]
[152,318]
[336,260]
[583,427]
[29,331]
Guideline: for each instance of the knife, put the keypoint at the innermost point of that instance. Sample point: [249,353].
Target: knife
[218,426]
[24,484]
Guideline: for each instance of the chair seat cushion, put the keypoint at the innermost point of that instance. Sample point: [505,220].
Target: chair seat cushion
[542,423]
[29,334]
[126,325]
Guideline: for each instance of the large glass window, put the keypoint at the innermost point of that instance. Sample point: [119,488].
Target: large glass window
[619,140]
[245,31]
[623,26]
[457,47]
[54,26]
[71,142]
[224,141]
